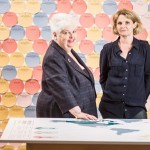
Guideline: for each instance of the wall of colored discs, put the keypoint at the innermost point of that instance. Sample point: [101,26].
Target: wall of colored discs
[25,35]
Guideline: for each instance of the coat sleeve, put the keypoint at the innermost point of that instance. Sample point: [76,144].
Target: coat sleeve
[104,67]
[147,70]
[56,76]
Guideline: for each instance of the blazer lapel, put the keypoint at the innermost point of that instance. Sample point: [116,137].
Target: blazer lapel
[74,65]
[72,62]
[83,64]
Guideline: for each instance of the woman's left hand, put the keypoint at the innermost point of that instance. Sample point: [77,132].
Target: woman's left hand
[85,116]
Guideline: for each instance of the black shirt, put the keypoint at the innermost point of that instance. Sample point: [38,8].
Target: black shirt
[125,80]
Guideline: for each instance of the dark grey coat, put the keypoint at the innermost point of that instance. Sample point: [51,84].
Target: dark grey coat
[65,85]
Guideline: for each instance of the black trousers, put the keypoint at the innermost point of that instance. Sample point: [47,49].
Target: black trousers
[120,110]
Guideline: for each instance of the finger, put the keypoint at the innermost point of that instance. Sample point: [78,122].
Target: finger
[84,116]
[91,117]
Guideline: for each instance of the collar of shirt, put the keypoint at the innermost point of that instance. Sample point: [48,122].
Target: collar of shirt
[135,44]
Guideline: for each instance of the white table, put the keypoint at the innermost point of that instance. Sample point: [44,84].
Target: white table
[72,134]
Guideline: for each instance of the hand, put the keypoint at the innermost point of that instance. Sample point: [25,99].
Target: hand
[76,111]
[85,116]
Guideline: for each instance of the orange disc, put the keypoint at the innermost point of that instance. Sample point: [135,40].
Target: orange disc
[86,46]
[10,19]
[40,46]
[9,45]
[125,4]
[81,33]
[37,73]
[63,6]
[0,45]
[32,32]
[142,35]
[16,86]
[32,86]
[79,6]
[102,20]
[108,34]
[87,20]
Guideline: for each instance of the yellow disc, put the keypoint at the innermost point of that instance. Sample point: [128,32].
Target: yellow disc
[4,32]
[41,59]
[8,99]
[25,19]
[4,59]
[17,59]
[94,6]
[3,112]
[93,60]
[8,147]
[98,99]
[21,147]
[24,46]
[94,33]
[16,111]
[18,6]
[4,123]
[76,47]
[24,73]
[0,19]
[3,86]
[33,6]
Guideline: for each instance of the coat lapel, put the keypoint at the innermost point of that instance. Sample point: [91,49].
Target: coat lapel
[90,76]
[72,62]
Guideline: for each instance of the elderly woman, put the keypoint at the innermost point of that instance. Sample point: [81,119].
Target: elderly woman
[125,70]
[67,83]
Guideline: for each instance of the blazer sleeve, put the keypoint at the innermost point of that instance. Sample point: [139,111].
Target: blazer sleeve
[104,67]
[147,70]
[55,73]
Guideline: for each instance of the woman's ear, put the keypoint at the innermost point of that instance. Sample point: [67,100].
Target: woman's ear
[55,35]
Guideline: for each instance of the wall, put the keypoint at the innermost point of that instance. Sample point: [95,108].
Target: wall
[25,35]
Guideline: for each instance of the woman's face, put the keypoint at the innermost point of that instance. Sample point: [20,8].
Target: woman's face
[125,26]
[66,38]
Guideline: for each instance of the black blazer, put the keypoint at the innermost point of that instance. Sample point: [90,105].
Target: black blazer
[65,85]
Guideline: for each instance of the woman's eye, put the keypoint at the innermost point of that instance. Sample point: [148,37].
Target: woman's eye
[127,22]
[65,32]
[119,23]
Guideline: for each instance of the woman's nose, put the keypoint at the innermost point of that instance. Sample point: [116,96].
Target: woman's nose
[71,35]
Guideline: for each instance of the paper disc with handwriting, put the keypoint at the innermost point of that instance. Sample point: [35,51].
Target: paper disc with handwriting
[10,19]
[8,99]
[3,112]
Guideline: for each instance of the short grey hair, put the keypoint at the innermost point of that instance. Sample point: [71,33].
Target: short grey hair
[60,21]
